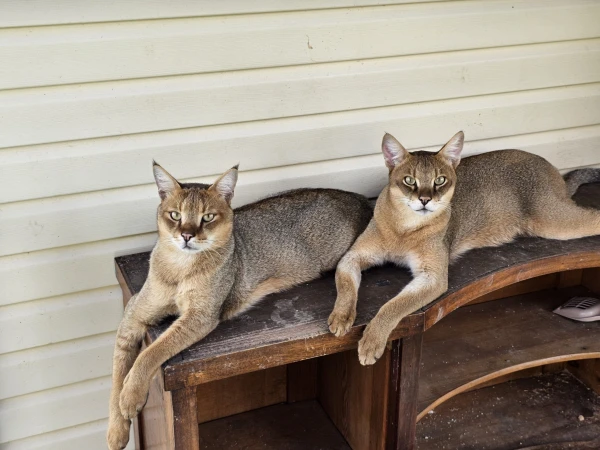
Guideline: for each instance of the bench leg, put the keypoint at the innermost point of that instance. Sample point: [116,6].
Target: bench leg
[402,392]
[185,419]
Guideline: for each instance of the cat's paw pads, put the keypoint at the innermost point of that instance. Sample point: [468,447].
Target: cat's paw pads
[117,435]
[340,323]
[370,349]
[133,398]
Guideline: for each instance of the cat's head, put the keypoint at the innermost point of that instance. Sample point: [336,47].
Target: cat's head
[424,181]
[193,217]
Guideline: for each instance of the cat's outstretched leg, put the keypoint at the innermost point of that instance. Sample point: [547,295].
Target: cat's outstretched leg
[430,280]
[365,252]
[193,324]
[137,317]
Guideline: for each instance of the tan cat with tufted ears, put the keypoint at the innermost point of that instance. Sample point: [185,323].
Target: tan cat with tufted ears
[211,262]
[433,210]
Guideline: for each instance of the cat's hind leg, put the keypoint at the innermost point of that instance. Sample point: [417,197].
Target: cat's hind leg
[564,219]
[366,252]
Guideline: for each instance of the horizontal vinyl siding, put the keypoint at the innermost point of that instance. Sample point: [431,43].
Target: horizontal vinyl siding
[45,56]
[298,92]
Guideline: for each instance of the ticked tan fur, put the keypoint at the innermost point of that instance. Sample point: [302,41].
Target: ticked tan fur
[488,200]
[210,263]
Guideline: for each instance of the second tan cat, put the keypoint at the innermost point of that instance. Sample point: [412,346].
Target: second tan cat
[433,210]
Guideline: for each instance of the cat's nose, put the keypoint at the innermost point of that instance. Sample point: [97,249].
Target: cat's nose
[187,236]
[425,200]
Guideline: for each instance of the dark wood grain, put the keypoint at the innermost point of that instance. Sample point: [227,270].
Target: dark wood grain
[302,380]
[404,380]
[587,371]
[541,413]
[353,396]
[185,419]
[482,341]
[292,326]
[154,422]
[292,426]
[234,395]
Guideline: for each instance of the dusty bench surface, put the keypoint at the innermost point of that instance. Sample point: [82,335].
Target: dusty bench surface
[292,326]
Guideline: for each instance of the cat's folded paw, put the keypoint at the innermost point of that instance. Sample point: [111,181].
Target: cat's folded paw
[117,435]
[341,322]
[370,347]
[133,397]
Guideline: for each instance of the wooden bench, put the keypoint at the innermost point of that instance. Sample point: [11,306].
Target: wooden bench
[275,378]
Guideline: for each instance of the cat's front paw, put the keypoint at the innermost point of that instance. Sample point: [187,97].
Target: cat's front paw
[117,435]
[133,396]
[371,347]
[340,322]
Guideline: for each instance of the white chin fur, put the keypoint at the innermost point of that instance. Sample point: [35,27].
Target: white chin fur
[418,207]
[192,247]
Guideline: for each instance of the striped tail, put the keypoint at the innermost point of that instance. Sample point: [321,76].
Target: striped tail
[578,177]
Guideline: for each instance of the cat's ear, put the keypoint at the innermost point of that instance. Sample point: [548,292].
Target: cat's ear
[451,151]
[225,185]
[165,182]
[393,151]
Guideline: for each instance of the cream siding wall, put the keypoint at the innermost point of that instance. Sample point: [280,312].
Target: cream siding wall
[298,92]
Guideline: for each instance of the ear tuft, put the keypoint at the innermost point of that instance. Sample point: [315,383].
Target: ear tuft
[165,182]
[225,184]
[453,148]
[393,151]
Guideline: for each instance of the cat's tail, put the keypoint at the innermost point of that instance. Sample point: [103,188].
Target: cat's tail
[578,177]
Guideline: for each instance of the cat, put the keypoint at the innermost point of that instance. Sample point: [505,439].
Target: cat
[210,263]
[433,210]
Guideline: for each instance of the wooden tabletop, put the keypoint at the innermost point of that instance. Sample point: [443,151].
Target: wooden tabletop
[292,326]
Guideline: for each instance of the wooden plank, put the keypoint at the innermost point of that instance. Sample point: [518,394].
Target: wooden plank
[82,166]
[570,278]
[105,215]
[522,287]
[137,106]
[488,340]
[532,413]
[525,373]
[241,393]
[185,419]
[409,387]
[42,12]
[591,279]
[109,51]
[302,381]
[238,346]
[351,396]
[588,371]
[403,406]
[153,422]
[295,426]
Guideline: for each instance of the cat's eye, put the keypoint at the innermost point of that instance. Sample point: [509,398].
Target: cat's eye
[175,215]
[208,217]
[410,181]
[439,181]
